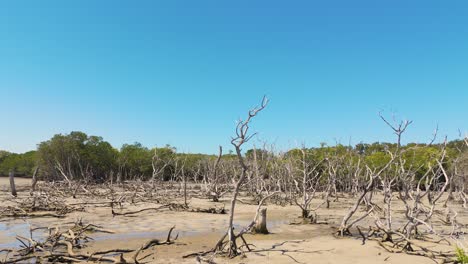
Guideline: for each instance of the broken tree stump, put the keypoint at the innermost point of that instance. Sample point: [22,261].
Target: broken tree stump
[260,226]
[34,181]
[12,183]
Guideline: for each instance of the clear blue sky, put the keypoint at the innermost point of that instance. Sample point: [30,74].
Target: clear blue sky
[182,72]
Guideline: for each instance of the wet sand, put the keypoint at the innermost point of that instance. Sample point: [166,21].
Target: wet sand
[306,243]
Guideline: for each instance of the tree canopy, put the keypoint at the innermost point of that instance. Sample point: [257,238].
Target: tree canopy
[78,156]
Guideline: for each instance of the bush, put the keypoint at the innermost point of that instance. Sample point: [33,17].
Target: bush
[462,257]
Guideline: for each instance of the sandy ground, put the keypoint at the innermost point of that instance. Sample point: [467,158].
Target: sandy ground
[287,243]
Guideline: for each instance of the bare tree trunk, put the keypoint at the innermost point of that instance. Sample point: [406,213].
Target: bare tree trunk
[111,177]
[261,223]
[185,189]
[231,236]
[119,177]
[450,192]
[59,167]
[242,137]
[12,183]
[34,181]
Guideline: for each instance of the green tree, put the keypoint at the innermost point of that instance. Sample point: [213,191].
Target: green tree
[21,164]
[76,156]
[135,161]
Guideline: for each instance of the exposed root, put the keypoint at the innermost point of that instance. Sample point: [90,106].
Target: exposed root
[63,246]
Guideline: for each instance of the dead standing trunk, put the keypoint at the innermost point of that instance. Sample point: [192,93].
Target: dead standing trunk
[241,138]
[185,188]
[260,226]
[345,225]
[214,189]
[34,181]
[12,183]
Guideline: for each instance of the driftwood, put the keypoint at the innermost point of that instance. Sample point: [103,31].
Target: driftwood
[172,207]
[64,247]
[222,243]
[31,215]
[138,211]
[155,242]
[38,206]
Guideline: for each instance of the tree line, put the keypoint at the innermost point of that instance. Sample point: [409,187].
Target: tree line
[78,156]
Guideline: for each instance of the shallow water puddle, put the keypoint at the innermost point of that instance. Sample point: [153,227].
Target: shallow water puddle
[128,228]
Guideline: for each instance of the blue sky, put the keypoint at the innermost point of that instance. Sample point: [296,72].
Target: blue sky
[182,72]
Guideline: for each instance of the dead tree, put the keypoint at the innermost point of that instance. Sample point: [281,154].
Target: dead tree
[215,190]
[459,180]
[12,183]
[256,176]
[157,168]
[417,213]
[34,180]
[398,128]
[258,220]
[184,181]
[62,171]
[355,173]
[412,190]
[280,176]
[372,175]
[308,186]
[176,176]
[242,137]
[389,180]
[260,226]
[333,164]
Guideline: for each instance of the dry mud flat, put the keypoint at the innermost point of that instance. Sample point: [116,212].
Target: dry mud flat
[287,243]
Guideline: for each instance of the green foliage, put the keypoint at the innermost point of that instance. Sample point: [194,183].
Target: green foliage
[377,160]
[260,153]
[368,149]
[325,151]
[135,160]
[462,257]
[21,164]
[457,144]
[80,156]
[77,156]
[421,158]
[3,155]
